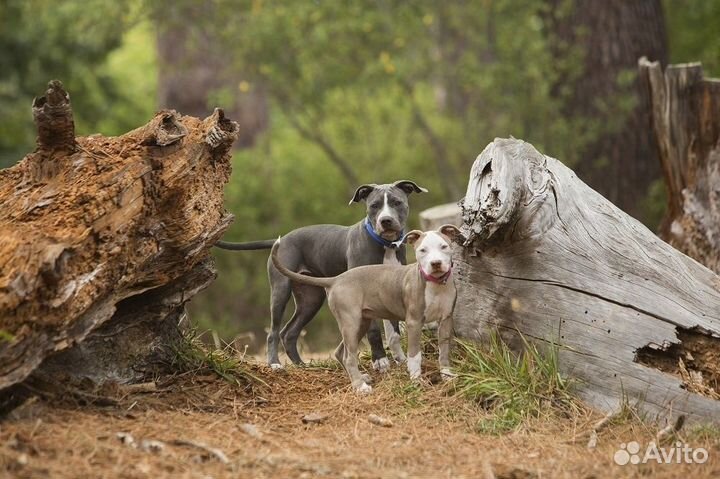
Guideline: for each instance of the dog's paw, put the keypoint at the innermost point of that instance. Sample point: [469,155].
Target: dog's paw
[413,366]
[400,358]
[431,326]
[363,388]
[381,365]
[447,375]
[276,366]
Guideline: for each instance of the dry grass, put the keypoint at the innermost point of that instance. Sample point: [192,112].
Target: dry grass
[434,433]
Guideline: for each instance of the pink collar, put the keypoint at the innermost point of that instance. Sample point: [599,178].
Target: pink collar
[441,280]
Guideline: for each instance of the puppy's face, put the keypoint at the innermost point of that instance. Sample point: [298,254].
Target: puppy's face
[432,249]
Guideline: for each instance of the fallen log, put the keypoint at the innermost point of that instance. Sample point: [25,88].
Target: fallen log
[104,240]
[548,258]
[685,117]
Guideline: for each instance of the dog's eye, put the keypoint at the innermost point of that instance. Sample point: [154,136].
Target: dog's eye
[444,246]
[423,250]
[375,205]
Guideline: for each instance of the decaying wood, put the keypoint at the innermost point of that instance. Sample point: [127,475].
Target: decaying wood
[106,238]
[551,259]
[685,113]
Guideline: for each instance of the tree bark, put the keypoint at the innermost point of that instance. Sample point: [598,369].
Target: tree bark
[549,258]
[685,113]
[614,34]
[111,233]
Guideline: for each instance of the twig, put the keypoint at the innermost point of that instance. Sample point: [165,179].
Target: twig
[670,430]
[213,451]
[148,387]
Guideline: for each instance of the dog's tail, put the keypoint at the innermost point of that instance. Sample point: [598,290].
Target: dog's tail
[249,246]
[297,277]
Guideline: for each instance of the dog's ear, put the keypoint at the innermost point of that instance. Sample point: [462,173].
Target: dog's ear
[362,193]
[451,231]
[412,236]
[409,187]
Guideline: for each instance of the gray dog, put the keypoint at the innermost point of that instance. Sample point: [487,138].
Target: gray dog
[416,293]
[329,250]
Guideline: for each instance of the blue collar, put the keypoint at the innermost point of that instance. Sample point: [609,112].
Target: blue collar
[379,239]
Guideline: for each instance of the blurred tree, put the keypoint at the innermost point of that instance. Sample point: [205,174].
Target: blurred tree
[693,30]
[195,75]
[379,91]
[622,162]
[71,40]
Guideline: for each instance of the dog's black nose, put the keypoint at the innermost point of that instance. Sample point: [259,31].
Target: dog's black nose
[386,222]
[436,264]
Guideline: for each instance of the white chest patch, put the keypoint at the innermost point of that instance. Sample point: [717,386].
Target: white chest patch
[390,256]
[439,301]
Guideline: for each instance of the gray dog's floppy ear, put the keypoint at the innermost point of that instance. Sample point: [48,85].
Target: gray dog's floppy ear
[409,187]
[412,236]
[362,192]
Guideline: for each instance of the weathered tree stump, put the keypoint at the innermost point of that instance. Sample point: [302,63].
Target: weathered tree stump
[549,258]
[105,239]
[685,114]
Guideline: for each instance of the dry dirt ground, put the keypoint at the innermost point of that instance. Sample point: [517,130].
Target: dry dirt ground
[258,429]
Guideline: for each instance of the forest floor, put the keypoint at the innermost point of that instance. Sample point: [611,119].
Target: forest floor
[196,424]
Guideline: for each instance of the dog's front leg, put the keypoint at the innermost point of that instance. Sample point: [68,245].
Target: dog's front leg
[414,360]
[445,329]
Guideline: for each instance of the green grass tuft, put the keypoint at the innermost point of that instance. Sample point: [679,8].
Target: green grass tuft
[706,433]
[193,355]
[513,387]
[327,364]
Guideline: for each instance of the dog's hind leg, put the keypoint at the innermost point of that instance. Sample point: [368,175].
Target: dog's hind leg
[379,359]
[353,330]
[392,335]
[308,301]
[280,290]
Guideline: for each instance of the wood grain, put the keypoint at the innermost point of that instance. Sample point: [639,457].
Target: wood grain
[551,259]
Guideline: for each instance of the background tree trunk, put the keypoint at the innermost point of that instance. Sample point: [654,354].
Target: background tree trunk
[106,237]
[614,34]
[551,259]
[685,111]
[192,67]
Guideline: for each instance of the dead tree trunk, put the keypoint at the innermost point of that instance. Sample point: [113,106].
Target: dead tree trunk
[620,164]
[685,113]
[548,257]
[106,238]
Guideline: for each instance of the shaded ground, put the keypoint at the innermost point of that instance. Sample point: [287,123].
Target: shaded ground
[433,434]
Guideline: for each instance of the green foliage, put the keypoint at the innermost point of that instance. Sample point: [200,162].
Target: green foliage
[693,33]
[706,433]
[71,41]
[513,387]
